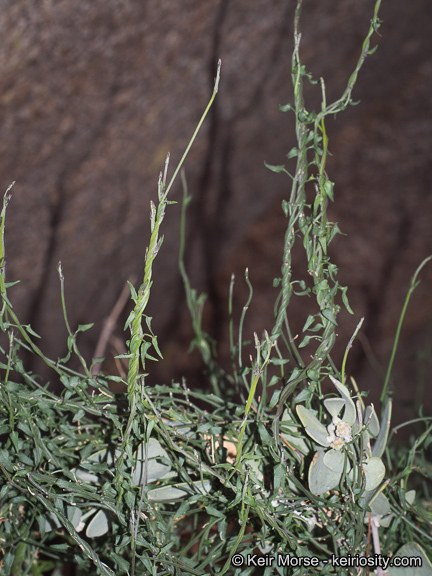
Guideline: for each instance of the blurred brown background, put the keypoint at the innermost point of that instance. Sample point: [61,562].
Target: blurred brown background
[94,94]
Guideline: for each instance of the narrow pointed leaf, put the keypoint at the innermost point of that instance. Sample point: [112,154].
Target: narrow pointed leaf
[371,418]
[381,441]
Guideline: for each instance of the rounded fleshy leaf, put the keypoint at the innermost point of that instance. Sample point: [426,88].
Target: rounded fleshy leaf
[410,496]
[48,523]
[380,506]
[74,514]
[334,459]
[313,426]
[182,428]
[155,469]
[412,550]
[334,405]
[98,526]
[287,425]
[100,457]
[170,493]
[380,511]
[374,471]
[321,478]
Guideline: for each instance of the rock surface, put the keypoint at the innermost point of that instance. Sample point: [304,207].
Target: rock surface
[94,95]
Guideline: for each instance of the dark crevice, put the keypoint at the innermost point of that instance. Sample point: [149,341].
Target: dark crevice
[277,54]
[58,208]
[213,235]
[207,222]
[374,312]
[206,215]
[200,222]
[222,138]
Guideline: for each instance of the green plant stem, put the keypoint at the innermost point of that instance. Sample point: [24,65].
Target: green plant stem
[256,375]
[348,348]
[137,344]
[69,331]
[311,219]
[6,199]
[196,303]
[413,285]
[200,123]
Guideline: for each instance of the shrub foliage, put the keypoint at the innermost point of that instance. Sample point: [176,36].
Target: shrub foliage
[264,475]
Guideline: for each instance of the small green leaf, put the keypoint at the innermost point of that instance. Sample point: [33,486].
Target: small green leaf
[266,439]
[380,506]
[292,153]
[329,315]
[51,523]
[328,189]
[410,496]
[274,399]
[21,552]
[278,361]
[31,331]
[309,321]
[345,299]
[214,512]
[84,327]
[302,396]
[279,473]
[79,415]
[10,284]
[306,341]
[285,107]
[25,459]
[41,520]
[129,498]
[60,547]
[123,564]
[70,342]
[5,460]
[313,375]
[277,169]
[130,319]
